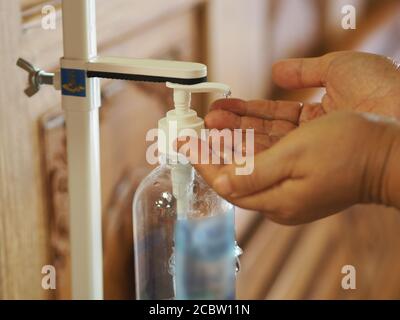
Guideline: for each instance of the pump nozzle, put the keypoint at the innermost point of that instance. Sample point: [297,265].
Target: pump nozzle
[182,93]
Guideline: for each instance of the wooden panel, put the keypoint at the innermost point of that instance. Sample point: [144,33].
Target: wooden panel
[295,26]
[26,4]
[237,38]
[119,269]
[305,262]
[55,162]
[368,22]
[302,264]
[264,254]
[23,223]
[371,238]
[33,205]
[245,221]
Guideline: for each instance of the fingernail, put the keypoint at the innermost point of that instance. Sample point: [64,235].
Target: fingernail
[222,185]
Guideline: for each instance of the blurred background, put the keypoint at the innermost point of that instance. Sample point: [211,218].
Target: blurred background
[238,40]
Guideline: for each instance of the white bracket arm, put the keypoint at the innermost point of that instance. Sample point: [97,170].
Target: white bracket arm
[147,70]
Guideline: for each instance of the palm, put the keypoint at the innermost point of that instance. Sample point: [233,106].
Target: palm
[353,80]
[271,120]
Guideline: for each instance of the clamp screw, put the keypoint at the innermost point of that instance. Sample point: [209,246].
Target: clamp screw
[36,77]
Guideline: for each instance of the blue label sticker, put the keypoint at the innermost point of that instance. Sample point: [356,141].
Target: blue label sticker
[73,82]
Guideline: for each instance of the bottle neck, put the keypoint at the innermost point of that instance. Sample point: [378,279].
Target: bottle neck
[170,160]
[162,159]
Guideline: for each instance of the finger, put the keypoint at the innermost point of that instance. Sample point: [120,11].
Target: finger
[199,155]
[302,73]
[231,104]
[220,119]
[269,200]
[261,143]
[264,109]
[259,147]
[283,203]
[270,167]
[230,146]
[327,103]
[222,143]
[238,144]
[311,111]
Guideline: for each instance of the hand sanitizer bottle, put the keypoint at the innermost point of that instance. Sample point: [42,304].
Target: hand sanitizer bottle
[184,237]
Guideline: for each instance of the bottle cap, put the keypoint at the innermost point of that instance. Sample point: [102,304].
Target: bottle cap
[182,120]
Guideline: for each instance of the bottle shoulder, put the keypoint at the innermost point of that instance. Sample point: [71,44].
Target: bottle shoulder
[156,187]
[159,174]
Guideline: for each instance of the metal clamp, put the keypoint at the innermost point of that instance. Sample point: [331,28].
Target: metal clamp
[36,77]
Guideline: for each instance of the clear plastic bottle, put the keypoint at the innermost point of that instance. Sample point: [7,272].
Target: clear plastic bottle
[184,237]
[188,258]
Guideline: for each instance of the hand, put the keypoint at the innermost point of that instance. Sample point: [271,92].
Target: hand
[271,120]
[320,168]
[353,81]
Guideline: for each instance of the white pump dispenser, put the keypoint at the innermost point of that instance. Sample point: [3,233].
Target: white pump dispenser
[180,120]
[184,234]
[183,121]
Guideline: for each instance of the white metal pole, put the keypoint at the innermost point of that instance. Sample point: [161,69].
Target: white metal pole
[80,101]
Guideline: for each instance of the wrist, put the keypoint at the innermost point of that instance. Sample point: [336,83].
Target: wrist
[391,177]
[396,102]
[382,183]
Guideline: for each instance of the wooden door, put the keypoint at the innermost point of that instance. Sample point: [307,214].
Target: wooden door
[34,224]
[24,242]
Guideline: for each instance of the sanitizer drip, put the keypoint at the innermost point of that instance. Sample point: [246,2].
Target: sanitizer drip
[184,235]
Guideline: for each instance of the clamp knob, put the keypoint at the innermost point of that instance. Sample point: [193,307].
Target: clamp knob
[36,77]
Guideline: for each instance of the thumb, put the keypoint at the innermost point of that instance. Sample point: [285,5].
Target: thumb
[270,167]
[303,72]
